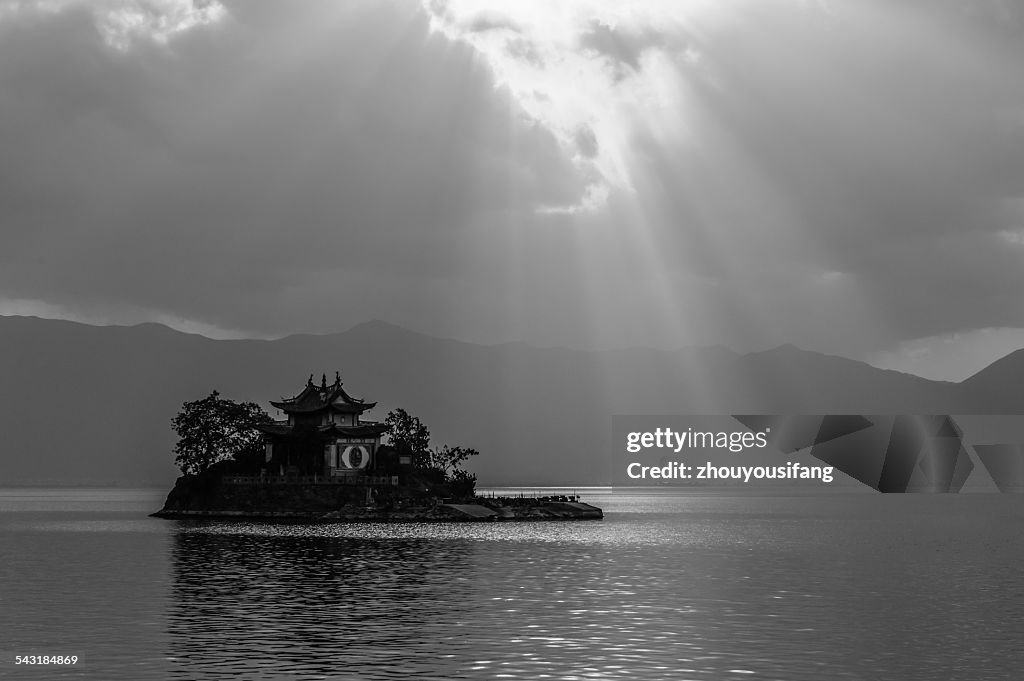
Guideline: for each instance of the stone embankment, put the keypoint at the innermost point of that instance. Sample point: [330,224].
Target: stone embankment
[333,503]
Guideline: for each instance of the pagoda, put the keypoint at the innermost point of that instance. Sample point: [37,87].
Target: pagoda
[324,435]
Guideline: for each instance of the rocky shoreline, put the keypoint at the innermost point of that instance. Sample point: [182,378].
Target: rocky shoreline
[222,497]
[468,512]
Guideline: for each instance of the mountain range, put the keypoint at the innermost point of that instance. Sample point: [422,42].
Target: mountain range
[82,404]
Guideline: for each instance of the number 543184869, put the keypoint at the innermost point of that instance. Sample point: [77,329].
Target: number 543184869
[46,659]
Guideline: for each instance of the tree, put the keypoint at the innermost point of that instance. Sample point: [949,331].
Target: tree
[408,435]
[462,483]
[212,429]
[450,459]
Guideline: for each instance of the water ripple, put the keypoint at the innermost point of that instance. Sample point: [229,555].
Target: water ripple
[681,589]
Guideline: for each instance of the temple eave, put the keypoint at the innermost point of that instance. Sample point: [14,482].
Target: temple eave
[362,430]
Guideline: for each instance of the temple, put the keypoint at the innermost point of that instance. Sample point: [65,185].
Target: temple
[325,463]
[325,436]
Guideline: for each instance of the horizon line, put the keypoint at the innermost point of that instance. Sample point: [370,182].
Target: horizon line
[404,329]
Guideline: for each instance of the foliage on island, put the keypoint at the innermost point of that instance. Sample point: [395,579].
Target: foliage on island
[215,429]
[214,433]
[439,465]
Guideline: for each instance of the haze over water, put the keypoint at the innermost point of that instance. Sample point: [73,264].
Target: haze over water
[834,586]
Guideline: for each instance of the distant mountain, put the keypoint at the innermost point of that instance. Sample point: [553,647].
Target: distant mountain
[92,405]
[1000,385]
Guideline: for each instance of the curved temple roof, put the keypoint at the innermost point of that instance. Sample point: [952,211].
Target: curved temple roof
[314,398]
[362,430]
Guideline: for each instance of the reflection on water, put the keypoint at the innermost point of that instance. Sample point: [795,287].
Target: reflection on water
[294,603]
[909,588]
[665,589]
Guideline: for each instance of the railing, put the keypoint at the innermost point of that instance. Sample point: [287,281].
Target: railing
[381,480]
[523,500]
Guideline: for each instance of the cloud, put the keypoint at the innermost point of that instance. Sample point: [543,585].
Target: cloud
[122,22]
[571,69]
[625,47]
[586,142]
[485,21]
[950,357]
[843,175]
[886,164]
[278,169]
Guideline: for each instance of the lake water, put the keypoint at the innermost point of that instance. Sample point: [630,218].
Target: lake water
[837,586]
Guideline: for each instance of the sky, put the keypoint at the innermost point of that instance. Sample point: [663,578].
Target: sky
[846,176]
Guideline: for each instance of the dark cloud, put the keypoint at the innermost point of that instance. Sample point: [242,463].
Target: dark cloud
[281,170]
[850,180]
[844,177]
[624,47]
[586,141]
[523,48]
[614,44]
[492,21]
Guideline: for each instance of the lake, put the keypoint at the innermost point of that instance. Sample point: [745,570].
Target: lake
[833,586]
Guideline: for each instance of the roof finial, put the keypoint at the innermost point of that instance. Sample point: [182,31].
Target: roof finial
[337,378]
[323,381]
[310,381]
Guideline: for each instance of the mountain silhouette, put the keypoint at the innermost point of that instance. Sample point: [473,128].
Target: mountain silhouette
[83,404]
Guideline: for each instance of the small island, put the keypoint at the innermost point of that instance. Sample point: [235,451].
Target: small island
[326,463]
